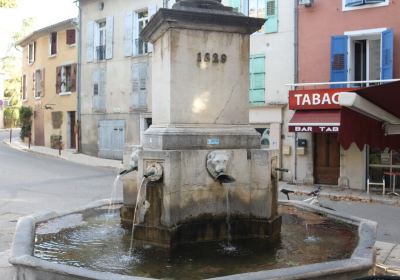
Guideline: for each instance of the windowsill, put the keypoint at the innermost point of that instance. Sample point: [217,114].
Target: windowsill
[65,93]
[71,45]
[52,55]
[37,98]
[31,63]
[367,6]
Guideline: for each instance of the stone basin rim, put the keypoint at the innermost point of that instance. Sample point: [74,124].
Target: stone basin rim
[362,259]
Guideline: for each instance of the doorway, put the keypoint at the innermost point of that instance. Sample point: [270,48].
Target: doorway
[71,130]
[326,158]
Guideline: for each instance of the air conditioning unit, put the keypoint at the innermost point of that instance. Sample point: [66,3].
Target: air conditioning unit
[306,3]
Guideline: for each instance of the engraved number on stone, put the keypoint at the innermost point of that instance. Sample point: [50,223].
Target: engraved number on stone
[215,58]
[207,57]
[199,57]
[223,58]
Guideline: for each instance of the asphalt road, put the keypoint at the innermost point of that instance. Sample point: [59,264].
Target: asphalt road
[31,183]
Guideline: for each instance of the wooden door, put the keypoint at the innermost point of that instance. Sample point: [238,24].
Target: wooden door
[72,130]
[38,126]
[111,138]
[326,158]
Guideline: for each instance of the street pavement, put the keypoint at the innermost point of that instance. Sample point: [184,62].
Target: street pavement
[38,179]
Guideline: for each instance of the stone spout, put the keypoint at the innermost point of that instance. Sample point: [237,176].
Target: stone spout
[217,165]
[129,170]
[153,172]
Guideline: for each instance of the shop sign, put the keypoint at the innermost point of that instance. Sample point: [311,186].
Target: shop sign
[315,99]
[315,129]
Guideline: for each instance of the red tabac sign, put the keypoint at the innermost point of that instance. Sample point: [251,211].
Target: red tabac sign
[314,99]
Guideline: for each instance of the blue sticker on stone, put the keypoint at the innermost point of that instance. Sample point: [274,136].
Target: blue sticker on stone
[213,141]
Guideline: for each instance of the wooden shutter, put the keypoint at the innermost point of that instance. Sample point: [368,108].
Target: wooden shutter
[387,55]
[33,84]
[109,36]
[58,79]
[42,81]
[73,77]
[257,79]
[135,33]
[271,14]
[90,41]
[128,34]
[339,60]
[70,36]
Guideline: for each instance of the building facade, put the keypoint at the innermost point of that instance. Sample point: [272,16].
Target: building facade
[115,75]
[49,74]
[352,41]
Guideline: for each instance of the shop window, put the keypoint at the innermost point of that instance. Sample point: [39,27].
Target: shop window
[362,56]
[70,37]
[359,4]
[257,79]
[31,52]
[66,79]
[53,43]
[383,163]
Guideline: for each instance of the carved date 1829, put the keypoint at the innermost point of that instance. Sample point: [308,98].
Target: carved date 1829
[214,58]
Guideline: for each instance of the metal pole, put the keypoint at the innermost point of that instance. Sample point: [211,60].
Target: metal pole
[10,132]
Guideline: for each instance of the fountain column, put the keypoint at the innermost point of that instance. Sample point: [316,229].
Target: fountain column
[201,133]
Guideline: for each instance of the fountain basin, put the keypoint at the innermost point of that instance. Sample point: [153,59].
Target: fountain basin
[358,263]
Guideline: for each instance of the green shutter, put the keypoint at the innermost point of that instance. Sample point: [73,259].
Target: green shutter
[235,4]
[257,79]
[271,14]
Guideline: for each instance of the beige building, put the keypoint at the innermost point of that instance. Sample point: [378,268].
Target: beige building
[49,83]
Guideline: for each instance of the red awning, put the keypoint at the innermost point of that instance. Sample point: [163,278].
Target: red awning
[318,121]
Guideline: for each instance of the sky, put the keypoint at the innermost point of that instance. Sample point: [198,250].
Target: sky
[45,12]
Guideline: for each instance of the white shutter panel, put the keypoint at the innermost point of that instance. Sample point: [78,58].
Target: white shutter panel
[135,41]
[152,9]
[90,41]
[128,34]
[109,36]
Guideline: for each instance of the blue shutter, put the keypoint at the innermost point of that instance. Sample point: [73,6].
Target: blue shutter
[271,14]
[373,1]
[257,79]
[338,60]
[387,55]
[235,4]
[352,3]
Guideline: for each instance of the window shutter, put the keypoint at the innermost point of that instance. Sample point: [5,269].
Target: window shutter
[152,9]
[373,1]
[387,55]
[235,4]
[352,3]
[135,33]
[128,34]
[70,37]
[33,84]
[109,36]
[134,99]
[42,84]
[271,14]
[58,79]
[257,79]
[34,51]
[90,42]
[338,60]
[73,77]
[143,85]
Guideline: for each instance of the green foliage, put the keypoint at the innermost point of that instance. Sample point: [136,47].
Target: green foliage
[25,114]
[8,3]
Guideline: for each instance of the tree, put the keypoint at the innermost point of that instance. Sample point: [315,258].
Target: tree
[8,3]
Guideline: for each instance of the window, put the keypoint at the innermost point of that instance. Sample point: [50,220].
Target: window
[38,83]
[267,9]
[264,137]
[143,19]
[381,162]
[53,43]
[360,4]
[364,55]
[23,87]
[70,37]
[31,52]
[101,44]
[257,79]
[66,79]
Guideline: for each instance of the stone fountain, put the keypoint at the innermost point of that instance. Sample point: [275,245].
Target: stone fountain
[200,139]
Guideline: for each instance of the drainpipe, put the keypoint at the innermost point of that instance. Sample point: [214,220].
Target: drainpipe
[296,74]
[79,87]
